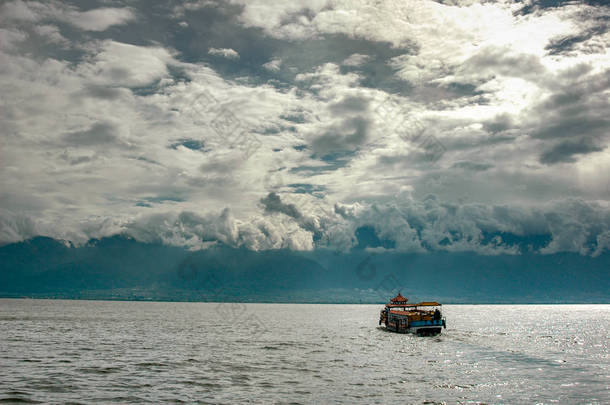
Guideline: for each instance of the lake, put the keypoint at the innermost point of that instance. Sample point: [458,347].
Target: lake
[59,351]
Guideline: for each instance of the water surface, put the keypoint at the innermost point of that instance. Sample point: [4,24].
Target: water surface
[58,351]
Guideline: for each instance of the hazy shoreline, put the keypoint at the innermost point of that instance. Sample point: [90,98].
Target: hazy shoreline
[7,297]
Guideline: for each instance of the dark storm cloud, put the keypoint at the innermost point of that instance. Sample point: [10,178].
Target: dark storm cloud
[577,125]
[333,161]
[104,92]
[162,199]
[222,165]
[146,160]
[272,203]
[499,123]
[299,56]
[75,160]
[216,25]
[576,91]
[347,136]
[350,105]
[565,45]
[541,5]
[567,150]
[311,128]
[100,133]
[500,61]
[375,71]
[593,24]
[574,120]
[473,166]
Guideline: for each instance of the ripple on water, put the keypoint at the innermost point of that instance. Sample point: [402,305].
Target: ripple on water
[174,354]
[100,370]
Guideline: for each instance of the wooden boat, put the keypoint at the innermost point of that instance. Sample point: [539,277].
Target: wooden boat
[424,318]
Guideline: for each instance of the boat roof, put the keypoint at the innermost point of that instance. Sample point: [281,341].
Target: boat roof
[401,305]
[420,304]
[429,304]
[399,298]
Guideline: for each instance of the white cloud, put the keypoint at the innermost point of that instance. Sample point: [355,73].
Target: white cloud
[355,59]
[328,81]
[275,17]
[410,225]
[100,19]
[51,33]
[224,52]
[125,137]
[92,20]
[9,38]
[16,227]
[120,64]
[466,29]
[273,65]
[17,10]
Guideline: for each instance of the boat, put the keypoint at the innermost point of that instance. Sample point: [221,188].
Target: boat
[423,319]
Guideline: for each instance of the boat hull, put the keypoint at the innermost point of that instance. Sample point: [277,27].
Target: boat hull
[422,328]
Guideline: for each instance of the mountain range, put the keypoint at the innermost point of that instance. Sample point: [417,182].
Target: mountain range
[120,267]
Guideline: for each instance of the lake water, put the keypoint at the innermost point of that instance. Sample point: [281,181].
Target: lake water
[56,351]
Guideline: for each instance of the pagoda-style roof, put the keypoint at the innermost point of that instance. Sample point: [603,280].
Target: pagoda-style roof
[398,299]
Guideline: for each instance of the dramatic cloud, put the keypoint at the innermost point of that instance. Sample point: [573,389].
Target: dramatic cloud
[273,203]
[403,126]
[119,64]
[99,19]
[99,133]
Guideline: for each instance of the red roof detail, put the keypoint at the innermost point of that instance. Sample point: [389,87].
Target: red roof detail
[399,298]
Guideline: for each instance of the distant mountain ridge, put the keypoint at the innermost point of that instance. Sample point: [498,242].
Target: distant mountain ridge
[123,268]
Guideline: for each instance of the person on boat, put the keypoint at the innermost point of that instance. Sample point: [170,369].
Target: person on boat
[437,314]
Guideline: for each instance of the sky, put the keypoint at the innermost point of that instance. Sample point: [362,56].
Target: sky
[435,125]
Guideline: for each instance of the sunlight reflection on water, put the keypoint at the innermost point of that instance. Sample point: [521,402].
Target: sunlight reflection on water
[134,352]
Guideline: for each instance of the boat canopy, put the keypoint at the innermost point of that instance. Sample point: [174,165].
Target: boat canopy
[429,304]
[403,313]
